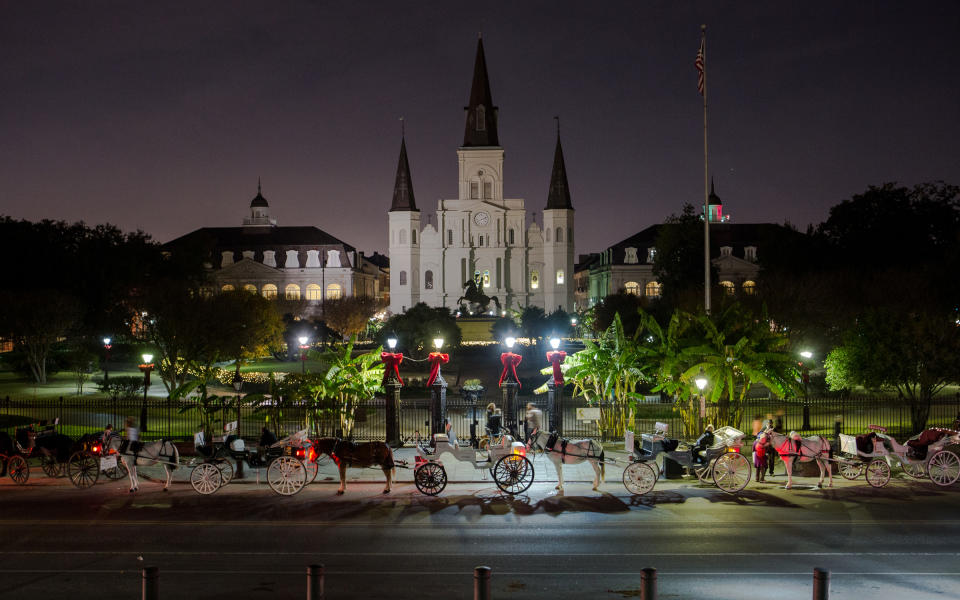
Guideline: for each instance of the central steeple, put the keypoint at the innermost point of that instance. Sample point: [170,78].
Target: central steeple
[481,128]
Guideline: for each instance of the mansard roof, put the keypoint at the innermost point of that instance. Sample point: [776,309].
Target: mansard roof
[736,235]
[481,107]
[240,238]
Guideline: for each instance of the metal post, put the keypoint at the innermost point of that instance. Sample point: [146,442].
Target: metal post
[438,405]
[555,406]
[392,411]
[481,583]
[821,584]
[315,582]
[150,588]
[648,584]
[511,418]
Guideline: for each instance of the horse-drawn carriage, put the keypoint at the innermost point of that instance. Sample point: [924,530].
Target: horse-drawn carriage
[504,458]
[722,464]
[58,456]
[934,454]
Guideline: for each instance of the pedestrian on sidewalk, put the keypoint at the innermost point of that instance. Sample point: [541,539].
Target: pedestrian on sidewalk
[760,448]
[534,419]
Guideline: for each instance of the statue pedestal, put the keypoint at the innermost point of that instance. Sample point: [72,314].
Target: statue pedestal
[476,329]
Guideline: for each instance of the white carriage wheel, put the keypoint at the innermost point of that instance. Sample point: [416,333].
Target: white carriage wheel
[430,478]
[286,475]
[917,470]
[639,478]
[878,473]
[944,468]
[513,474]
[850,469]
[18,469]
[731,472]
[206,478]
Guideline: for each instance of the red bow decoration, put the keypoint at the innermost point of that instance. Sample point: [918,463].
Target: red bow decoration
[391,361]
[557,357]
[436,359]
[510,361]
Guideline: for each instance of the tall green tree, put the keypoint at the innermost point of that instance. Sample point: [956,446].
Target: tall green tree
[417,327]
[36,320]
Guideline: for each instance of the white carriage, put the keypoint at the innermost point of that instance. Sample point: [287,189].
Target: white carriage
[940,463]
[722,464]
[505,459]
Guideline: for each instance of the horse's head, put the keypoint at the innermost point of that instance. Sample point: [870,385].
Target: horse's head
[324,445]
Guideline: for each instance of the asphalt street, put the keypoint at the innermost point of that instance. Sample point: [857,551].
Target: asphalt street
[902,541]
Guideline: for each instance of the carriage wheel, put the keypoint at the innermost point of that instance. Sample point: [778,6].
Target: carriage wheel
[206,478]
[50,466]
[513,474]
[639,478]
[850,469]
[226,470]
[83,469]
[19,469]
[878,473]
[118,472]
[916,470]
[944,468]
[430,478]
[286,475]
[731,472]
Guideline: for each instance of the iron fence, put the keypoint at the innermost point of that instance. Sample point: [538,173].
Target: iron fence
[467,415]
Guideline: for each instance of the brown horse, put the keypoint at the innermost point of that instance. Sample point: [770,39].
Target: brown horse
[363,454]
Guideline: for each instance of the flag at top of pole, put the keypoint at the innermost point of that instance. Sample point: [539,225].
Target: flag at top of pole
[699,64]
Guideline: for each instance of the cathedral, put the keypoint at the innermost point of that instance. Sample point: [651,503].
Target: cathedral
[481,237]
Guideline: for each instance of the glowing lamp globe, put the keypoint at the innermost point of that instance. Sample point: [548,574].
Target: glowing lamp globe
[392,342]
[806,354]
[438,343]
[554,343]
[701,382]
[106,341]
[303,340]
[510,341]
[147,359]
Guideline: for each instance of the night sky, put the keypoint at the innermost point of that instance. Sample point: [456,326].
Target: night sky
[161,115]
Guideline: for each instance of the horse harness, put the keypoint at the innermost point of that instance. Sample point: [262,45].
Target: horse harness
[552,440]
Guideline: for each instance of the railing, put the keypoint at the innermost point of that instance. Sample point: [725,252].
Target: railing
[180,420]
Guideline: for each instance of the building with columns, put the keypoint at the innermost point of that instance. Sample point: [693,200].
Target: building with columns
[481,234]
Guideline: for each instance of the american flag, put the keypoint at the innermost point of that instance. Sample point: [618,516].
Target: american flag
[699,64]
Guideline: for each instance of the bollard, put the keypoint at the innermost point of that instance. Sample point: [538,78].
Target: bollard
[648,584]
[821,584]
[481,583]
[151,583]
[315,582]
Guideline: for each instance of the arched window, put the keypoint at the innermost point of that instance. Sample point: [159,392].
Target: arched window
[334,291]
[428,279]
[534,280]
[227,288]
[403,236]
[559,236]
[728,287]
[548,234]
[560,277]
[269,291]
[291,292]
[632,287]
[314,292]
[403,278]
[511,237]
[749,287]
[486,278]
[413,235]
[652,289]
[250,288]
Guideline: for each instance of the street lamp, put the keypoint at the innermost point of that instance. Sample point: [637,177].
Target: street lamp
[806,354]
[554,342]
[146,367]
[555,386]
[438,388]
[805,377]
[701,382]
[510,341]
[106,346]
[303,353]
[392,342]
[438,343]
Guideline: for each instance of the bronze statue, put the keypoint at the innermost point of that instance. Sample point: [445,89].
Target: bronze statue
[478,301]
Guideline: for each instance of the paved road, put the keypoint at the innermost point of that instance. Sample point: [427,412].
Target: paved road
[244,542]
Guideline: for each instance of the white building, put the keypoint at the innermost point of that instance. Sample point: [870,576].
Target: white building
[481,234]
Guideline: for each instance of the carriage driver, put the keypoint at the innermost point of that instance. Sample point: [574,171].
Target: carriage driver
[703,442]
[494,420]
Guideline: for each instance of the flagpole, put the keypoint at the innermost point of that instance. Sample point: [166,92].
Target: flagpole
[706,198]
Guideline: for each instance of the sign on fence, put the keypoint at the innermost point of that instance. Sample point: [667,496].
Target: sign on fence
[628,441]
[588,414]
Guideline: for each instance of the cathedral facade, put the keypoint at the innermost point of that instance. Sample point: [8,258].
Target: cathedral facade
[482,236]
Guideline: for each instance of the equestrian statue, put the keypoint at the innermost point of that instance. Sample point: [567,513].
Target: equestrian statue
[478,302]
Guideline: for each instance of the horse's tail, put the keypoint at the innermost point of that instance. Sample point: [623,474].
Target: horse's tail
[388,462]
[175,460]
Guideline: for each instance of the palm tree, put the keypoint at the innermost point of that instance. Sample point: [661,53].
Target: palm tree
[348,381]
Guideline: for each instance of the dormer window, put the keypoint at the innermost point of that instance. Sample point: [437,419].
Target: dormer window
[651,255]
[750,253]
[481,118]
[726,250]
[630,256]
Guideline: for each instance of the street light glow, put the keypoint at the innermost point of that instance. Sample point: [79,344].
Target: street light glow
[701,380]
[806,354]
[392,342]
[303,340]
[147,359]
[438,343]
[510,341]
[555,343]
[106,341]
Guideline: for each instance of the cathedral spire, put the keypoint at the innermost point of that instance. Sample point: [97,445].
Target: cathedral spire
[559,194]
[481,128]
[403,199]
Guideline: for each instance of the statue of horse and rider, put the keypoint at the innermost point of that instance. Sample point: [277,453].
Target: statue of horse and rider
[478,302]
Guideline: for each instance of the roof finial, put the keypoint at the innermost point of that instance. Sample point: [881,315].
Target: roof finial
[258,185]
[712,193]
[557,119]
[403,129]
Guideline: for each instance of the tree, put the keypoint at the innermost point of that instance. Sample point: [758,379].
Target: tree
[349,316]
[533,322]
[348,381]
[678,263]
[35,320]
[621,303]
[416,328]
[915,354]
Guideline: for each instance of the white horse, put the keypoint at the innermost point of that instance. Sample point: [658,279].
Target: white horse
[794,448]
[561,451]
[161,452]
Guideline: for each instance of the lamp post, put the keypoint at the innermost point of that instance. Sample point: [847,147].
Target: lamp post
[805,376]
[573,323]
[303,353]
[555,387]
[701,382]
[106,357]
[509,386]
[392,384]
[145,368]
[438,388]
[237,384]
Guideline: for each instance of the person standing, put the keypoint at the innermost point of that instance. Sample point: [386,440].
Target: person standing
[760,448]
[534,419]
